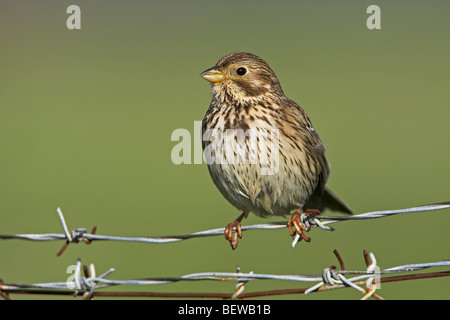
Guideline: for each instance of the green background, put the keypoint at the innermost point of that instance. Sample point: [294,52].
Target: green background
[86,119]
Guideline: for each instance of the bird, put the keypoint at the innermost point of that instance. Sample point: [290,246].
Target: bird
[247,104]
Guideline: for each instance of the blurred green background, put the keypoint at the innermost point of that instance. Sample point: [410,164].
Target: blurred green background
[86,118]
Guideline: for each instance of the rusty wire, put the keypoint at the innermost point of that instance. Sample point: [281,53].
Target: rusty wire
[87,284]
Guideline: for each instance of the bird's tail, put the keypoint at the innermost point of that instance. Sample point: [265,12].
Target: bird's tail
[327,200]
[333,202]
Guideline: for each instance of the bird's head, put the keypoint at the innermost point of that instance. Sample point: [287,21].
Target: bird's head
[242,76]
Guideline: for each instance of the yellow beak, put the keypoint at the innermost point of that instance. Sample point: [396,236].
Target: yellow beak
[213,75]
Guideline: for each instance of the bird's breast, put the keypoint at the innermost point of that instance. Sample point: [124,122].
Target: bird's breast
[253,162]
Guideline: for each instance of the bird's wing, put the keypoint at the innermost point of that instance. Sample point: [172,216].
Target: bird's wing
[309,140]
[322,197]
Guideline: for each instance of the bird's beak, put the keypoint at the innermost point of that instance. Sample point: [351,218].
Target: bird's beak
[213,75]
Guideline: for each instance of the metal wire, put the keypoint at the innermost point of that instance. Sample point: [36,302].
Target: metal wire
[81,234]
[89,284]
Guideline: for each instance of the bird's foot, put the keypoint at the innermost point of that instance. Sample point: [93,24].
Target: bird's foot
[296,222]
[231,236]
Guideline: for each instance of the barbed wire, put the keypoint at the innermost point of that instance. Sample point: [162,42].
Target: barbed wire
[366,281]
[308,220]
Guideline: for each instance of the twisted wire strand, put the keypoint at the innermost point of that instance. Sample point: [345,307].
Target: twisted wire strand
[81,234]
[86,283]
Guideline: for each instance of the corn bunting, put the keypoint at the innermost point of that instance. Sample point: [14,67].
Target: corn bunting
[262,151]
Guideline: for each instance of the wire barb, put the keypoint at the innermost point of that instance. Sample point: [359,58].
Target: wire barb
[3,294]
[75,236]
[335,278]
[240,286]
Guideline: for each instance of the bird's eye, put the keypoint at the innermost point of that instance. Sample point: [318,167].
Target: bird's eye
[241,71]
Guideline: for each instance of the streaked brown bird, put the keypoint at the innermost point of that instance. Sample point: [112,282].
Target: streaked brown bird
[262,151]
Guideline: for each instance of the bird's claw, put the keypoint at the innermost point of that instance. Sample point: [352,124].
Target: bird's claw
[296,222]
[233,236]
